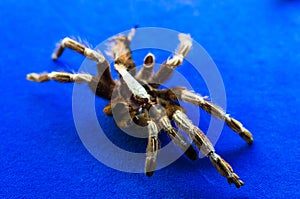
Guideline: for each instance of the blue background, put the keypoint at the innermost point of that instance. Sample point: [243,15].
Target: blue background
[255,45]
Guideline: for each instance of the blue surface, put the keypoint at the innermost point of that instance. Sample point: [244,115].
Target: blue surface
[255,45]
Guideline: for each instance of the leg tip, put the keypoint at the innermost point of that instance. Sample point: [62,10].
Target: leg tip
[34,77]
[150,173]
[225,170]
[54,56]
[150,167]
[247,136]
[30,77]
[236,180]
[250,142]
[238,183]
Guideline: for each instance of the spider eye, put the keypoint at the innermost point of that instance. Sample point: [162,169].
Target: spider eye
[140,110]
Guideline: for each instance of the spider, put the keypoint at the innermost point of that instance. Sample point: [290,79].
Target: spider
[139,94]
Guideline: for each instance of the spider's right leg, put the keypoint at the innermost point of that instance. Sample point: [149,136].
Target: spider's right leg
[178,139]
[102,64]
[152,148]
[206,147]
[160,116]
[179,93]
[167,68]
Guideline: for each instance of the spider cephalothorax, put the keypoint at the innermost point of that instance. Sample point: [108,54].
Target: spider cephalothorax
[138,99]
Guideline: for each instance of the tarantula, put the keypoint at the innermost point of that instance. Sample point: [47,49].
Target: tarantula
[147,105]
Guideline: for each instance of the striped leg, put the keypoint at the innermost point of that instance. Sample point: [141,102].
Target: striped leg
[178,139]
[63,77]
[101,88]
[102,64]
[183,94]
[160,116]
[205,146]
[121,52]
[167,68]
[152,149]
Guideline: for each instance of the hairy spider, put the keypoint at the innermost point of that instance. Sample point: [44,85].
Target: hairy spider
[147,105]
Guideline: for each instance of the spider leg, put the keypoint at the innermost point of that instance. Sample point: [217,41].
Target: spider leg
[206,147]
[198,100]
[125,118]
[146,71]
[167,68]
[63,77]
[161,118]
[152,149]
[178,139]
[102,64]
[97,85]
[121,52]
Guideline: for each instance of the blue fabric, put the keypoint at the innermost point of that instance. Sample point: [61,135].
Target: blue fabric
[255,45]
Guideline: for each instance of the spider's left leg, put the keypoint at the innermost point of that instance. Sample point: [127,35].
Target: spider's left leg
[63,77]
[213,109]
[167,68]
[103,90]
[206,147]
[104,75]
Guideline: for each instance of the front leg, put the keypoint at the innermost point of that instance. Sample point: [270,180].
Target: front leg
[161,118]
[178,139]
[206,147]
[152,149]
